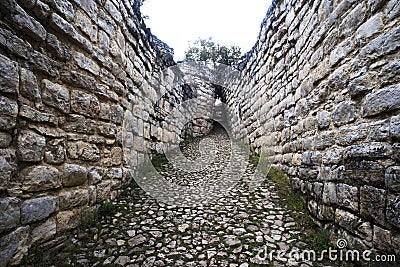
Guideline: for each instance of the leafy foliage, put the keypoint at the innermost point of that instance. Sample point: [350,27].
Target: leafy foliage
[210,51]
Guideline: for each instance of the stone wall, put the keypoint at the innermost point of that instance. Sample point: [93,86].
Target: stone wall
[69,71]
[320,95]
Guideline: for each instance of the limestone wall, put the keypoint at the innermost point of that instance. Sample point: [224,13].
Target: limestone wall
[69,70]
[321,96]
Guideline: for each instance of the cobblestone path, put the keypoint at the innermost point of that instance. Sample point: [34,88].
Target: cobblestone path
[229,232]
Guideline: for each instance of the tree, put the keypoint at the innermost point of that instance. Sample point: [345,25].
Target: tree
[209,51]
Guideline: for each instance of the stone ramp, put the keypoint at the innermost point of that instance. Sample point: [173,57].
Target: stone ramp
[235,230]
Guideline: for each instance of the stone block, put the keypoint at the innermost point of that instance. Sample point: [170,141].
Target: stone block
[392,178]
[67,220]
[72,198]
[329,194]
[332,156]
[37,209]
[30,146]
[382,239]
[350,135]
[73,175]
[79,124]
[9,77]
[9,213]
[369,150]
[383,100]
[393,210]
[353,224]
[382,45]
[85,24]
[344,113]
[55,151]
[5,140]
[347,196]
[29,86]
[80,80]
[44,231]
[85,104]
[14,246]
[40,178]
[86,63]
[55,95]
[311,158]
[370,27]
[8,113]
[324,140]
[340,52]
[324,119]
[83,150]
[8,166]
[372,203]
[57,48]
[395,127]
[379,131]
[22,21]
[392,9]
[63,7]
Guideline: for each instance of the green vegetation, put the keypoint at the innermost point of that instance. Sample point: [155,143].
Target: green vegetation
[209,51]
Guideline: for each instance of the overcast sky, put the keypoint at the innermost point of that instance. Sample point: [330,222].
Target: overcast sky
[178,22]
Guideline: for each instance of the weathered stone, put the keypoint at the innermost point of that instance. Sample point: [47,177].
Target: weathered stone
[31,146]
[379,131]
[372,203]
[9,213]
[5,140]
[349,135]
[369,150]
[383,44]
[29,87]
[347,196]
[58,49]
[40,178]
[85,24]
[311,158]
[86,63]
[392,9]
[28,25]
[107,129]
[61,25]
[8,113]
[55,95]
[393,210]
[69,199]
[324,140]
[78,79]
[353,224]
[112,157]
[45,64]
[344,113]
[329,193]
[13,246]
[85,104]
[73,175]
[83,150]
[383,100]
[392,178]
[8,166]
[382,239]
[63,7]
[37,209]
[79,124]
[67,220]
[44,231]
[324,119]
[95,175]
[54,153]
[9,78]
[370,27]
[41,10]
[395,127]
[340,52]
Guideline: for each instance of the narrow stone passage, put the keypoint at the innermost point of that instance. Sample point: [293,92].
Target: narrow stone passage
[229,232]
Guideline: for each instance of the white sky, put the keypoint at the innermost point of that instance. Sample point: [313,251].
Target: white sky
[178,22]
